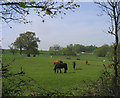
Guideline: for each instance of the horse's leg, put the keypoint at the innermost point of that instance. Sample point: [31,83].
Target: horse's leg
[60,70]
[57,70]
[65,71]
[54,71]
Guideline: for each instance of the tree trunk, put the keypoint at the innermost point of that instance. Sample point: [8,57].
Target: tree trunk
[34,55]
[115,60]
[115,50]
[20,51]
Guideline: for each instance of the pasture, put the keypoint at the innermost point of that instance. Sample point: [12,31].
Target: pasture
[40,68]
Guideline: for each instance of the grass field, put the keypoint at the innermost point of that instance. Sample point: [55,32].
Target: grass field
[40,68]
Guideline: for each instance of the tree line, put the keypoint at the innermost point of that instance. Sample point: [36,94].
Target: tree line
[71,49]
[107,51]
[27,43]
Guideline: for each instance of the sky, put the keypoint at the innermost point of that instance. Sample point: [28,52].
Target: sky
[83,26]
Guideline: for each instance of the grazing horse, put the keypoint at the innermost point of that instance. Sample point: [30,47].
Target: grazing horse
[57,61]
[60,66]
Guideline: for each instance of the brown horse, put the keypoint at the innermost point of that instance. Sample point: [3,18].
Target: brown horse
[57,61]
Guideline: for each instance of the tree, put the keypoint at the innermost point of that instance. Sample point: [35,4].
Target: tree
[28,42]
[119,53]
[109,54]
[17,11]
[112,9]
[70,50]
[19,44]
[12,49]
[102,51]
[90,48]
[55,50]
[79,48]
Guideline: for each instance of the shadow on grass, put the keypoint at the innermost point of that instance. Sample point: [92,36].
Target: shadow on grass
[71,72]
[88,64]
[78,69]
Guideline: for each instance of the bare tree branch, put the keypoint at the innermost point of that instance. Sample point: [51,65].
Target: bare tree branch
[12,11]
[112,9]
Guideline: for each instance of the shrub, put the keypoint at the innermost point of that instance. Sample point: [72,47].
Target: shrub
[102,51]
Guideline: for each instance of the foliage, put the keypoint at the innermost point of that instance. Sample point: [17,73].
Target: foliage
[19,44]
[70,49]
[55,50]
[79,48]
[102,51]
[110,54]
[17,11]
[27,41]
[106,85]
[12,49]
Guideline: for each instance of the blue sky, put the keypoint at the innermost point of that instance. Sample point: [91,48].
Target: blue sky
[80,27]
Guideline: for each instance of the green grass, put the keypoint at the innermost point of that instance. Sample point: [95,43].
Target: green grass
[41,67]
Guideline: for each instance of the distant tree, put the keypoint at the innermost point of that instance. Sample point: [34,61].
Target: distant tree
[70,50]
[34,52]
[110,53]
[55,50]
[27,41]
[102,51]
[90,48]
[19,43]
[112,9]
[3,51]
[12,48]
[64,51]
[79,48]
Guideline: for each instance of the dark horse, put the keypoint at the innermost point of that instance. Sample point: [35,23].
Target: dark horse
[60,66]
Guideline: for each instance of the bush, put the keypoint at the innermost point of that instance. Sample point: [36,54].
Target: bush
[102,51]
[106,85]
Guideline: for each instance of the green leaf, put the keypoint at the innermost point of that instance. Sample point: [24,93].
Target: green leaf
[48,12]
[59,11]
[33,2]
[43,21]
[64,13]
[42,9]
[23,5]
[55,12]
